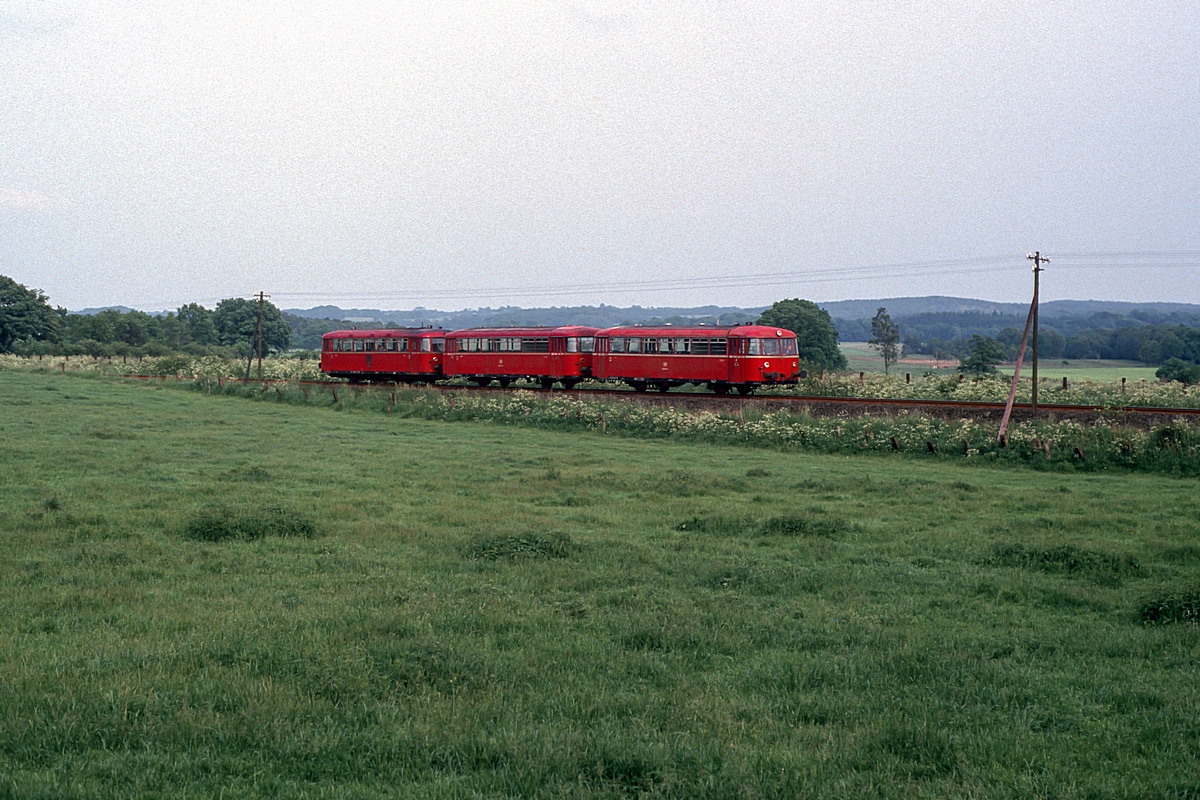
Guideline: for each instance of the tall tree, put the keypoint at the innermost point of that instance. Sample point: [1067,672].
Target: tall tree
[885,338]
[236,321]
[25,315]
[816,338]
[196,325]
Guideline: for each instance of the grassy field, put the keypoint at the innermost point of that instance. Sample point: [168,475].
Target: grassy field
[210,596]
[861,358]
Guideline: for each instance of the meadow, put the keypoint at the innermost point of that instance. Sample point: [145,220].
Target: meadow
[209,595]
[861,358]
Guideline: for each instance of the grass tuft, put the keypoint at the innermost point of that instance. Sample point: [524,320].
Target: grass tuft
[221,524]
[1063,559]
[920,751]
[494,548]
[1179,606]
[815,523]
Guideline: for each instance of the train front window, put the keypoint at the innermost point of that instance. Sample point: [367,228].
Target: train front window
[770,347]
[788,347]
[587,344]
[439,345]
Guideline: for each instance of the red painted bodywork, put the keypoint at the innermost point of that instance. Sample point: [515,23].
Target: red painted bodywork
[422,358]
[678,357]
[482,354]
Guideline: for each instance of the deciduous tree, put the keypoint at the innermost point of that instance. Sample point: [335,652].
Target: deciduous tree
[25,315]
[816,338]
[985,354]
[885,338]
[236,322]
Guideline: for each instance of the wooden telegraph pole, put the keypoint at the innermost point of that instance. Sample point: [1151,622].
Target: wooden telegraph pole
[1038,259]
[262,298]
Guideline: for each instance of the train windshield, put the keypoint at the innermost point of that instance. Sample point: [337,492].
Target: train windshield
[788,347]
[581,344]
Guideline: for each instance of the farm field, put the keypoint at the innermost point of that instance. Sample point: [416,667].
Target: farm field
[418,608]
[861,358]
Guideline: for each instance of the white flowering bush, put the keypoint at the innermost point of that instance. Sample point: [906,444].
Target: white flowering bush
[994,388]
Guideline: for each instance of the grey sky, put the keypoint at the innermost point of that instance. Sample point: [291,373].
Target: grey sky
[391,154]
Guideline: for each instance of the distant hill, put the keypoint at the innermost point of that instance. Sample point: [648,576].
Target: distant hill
[602,316]
[93,311]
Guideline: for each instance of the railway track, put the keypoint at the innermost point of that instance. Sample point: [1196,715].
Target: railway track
[817,405]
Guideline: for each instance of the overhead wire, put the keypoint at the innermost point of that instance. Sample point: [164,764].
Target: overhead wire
[1157,260]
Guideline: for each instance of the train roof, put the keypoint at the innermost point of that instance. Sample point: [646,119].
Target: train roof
[545,330]
[698,331]
[383,333]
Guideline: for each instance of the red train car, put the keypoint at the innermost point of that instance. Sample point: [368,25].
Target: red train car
[545,355]
[404,355]
[742,357]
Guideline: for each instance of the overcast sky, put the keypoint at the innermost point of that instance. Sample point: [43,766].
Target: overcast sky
[454,154]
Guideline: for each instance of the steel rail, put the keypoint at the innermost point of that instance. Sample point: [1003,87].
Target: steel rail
[801,399]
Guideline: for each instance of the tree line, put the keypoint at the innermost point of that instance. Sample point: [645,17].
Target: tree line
[30,326]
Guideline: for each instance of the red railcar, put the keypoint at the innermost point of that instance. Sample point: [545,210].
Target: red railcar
[545,355]
[742,357]
[404,355]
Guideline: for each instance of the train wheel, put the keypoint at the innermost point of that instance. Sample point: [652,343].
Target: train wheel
[719,388]
[745,388]
[662,387]
[504,382]
[547,383]
[481,382]
[569,383]
[639,386]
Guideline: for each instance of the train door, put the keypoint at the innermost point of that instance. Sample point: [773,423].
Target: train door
[558,355]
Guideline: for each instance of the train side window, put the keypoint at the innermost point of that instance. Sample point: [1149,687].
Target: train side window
[700,347]
[389,344]
[755,347]
[664,346]
[633,345]
[337,345]
[402,345]
[358,345]
[426,345]
[717,347]
[369,345]
[527,345]
[541,345]
[682,346]
[460,345]
[587,344]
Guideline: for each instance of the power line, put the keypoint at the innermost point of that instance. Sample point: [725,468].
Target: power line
[1153,260]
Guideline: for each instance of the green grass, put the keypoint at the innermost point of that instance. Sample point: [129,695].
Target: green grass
[418,608]
[861,358]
